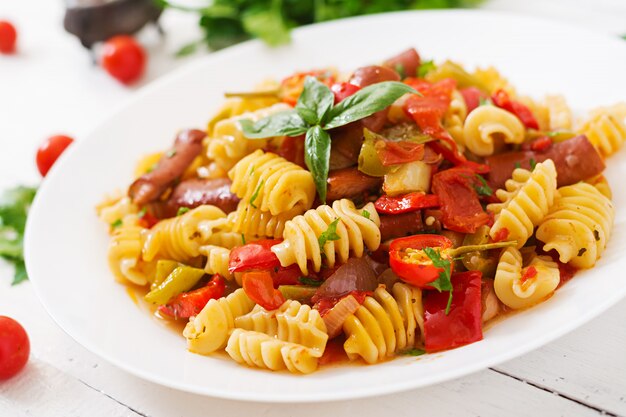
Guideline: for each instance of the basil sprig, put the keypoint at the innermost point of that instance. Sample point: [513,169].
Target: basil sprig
[314,114]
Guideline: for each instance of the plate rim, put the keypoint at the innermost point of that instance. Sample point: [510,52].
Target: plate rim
[353,393]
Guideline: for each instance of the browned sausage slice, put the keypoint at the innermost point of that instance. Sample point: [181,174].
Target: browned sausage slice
[406,63]
[197,191]
[150,186]
[399,225]
[350,183]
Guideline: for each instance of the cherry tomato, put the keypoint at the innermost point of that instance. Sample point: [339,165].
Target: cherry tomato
[8,35]
[50,150]
[343,90]
[406,203]
[124,58]
[14,347]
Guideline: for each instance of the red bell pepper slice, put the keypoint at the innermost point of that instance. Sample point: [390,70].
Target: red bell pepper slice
[472,97]
[459,202]
[254,255]
[406,203]
[463,324]
[401,152]
[501,99]
[343,90]
[541,144]
[259,286]
[190,303]
[418,272]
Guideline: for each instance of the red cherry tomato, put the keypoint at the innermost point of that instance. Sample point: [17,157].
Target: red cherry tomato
[124,58]
[8,35]
[14,347]
[50,150]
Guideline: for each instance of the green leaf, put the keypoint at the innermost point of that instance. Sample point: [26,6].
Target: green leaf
[117,223]
[255,195]
[366,102]
[365,214]
[532,163]
[317,157]
[425,68]
[484,189]
[188,49]
[310,281]
[14,205]
[286,123]
[482,101]
[315,101]
[517,165]
[415,352]
[20,273]
[266,24]
[329,235]
[443,282]
[182,210]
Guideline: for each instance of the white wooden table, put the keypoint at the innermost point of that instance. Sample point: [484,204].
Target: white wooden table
[51,87]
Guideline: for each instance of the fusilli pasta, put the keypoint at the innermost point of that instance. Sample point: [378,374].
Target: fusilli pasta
[217,260]
[125,251]
[485,125]
[454,118]
[253,222]
[606,128]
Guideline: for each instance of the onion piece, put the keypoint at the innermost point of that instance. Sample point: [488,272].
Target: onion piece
[491,305]
[336,316]
[354,275]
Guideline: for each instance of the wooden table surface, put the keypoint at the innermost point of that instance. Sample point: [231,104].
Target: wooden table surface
[51,88]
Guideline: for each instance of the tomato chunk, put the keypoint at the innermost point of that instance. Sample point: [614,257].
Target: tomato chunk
[259,286]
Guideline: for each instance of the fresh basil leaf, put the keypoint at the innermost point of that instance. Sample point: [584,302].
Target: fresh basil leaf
[315,101]
[20,273]
[317,157]
[286,123]
[366,102]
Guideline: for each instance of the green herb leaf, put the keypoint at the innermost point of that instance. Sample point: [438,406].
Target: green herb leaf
[532,163]
[243,239]
[267,24]
[329,235]
[310,281]
[317,157]
[415,352]
[255,195]
[485,101]
[117,223]
[517,165]
[484,189]
[188,49]
[425,68]
[443,282]
[171,153]
[366,102]
[365,214]
[20,273]
[182,210]
[315,101]
[287,123]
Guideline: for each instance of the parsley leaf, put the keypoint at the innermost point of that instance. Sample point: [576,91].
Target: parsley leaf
[256,194]
[532,163]
[182,210]
[517,165]
[329,235]
[365,214]
[484,189]
[415,352]
[425,68]
[117,223]
[485,101]
[443,282]
[310,281]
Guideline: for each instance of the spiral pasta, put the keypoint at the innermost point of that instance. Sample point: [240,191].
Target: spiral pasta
[454,118]
[125,251]
[519,287]
[494,81]
[524,203]
[217,260]
[579,225]
[271,183]
[292,322]
[209,330]
[252,222]
[227,144]
[354,232]
[181,237]
[116,208]
[552,113]
[385,324]
[487,124]
[262,351]
[606,128]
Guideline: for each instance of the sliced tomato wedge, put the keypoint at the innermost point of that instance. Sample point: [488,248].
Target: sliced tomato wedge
[259,286]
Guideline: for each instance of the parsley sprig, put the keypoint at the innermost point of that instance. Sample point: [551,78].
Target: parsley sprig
[443,282]
[329,235]
[315,114]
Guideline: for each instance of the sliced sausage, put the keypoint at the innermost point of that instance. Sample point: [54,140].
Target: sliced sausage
[373,74]
[150,186]
[350,183]
[406,63]
[346,145]
[575,159]
[197,191]
[399,225]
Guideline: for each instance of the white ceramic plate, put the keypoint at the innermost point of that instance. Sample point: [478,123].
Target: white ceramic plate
[66,245]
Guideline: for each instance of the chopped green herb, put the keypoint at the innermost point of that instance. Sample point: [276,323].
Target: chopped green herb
[310,281]
[117,223]
[243,239]
[400,70]
[256,194]
[484,189]
[152,167]
[415,352]
[596,235]
[329,235]
[485,102]
[182,210]
[171,153]
[425,68]
[517,165]
[365,214]
[552,134]
[532,163]
[582,251]
[142,212]
[443,282]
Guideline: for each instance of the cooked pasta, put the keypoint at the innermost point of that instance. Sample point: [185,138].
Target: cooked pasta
[354,232]
[606,128]
[238,237]
[521,287]
[180,238]
[524,203]
[209,330]
[385,324]
[227,144]
[485,126]
[270,183]
[579,225]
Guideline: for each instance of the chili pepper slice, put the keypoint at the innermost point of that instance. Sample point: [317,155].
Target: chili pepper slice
[406,203]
